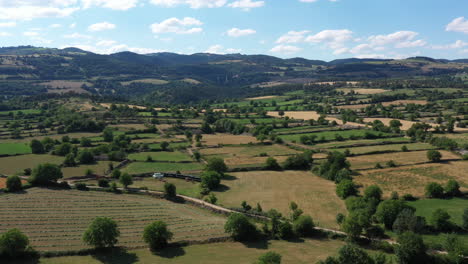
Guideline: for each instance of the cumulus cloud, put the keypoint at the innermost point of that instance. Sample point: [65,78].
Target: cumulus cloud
[292,37]
[30,34]
[397,37]
[111,4]
[333,38]
[236,32]
[457,45]
[101,26]
[313,1]
[192,3]
[458,25]
[7,24]
[77,36]
[55,26]
[4,34]
[112,49]
[285,49]
[219,49]
[411,44]
[106,43]
[246,5]
[187,25]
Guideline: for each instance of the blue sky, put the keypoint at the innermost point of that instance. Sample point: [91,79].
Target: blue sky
[314,29]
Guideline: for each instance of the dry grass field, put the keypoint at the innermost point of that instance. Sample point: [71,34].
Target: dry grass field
[150,81]
[250,151]
[99,168]
[390,147]
[59,86]
[54,220]
[262,97]
[406,158]
[275,190]
[364,91]
[398,102]
[227,139]
[3,182]
[414,178]
[308,115]
[17,164]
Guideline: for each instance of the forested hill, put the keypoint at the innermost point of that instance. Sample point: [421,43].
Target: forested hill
[28,70]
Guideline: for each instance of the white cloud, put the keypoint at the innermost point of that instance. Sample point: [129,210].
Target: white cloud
[77,36]
[371,56]
[458,25]
[106,43]
[111,4]
[313,1]
[411,44]
[333,38]
[219,49]
[30,34]
[31,12]
[340,51]
[236,32]
[285,49]
[292,37]
[7,24]
[4,34]
[397,37]
[101,26]
[112,49]
[55,26]
[246,5]
[457,45]
[72,25]
[187,25]
[192,3]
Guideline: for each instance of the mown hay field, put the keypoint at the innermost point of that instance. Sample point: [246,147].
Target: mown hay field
[388,147]
[227,139]
[250,151]
[150,167]
[413,179]
[54,220]
[309,251]
[407,158]
[275,190]
[17,164]
[175,156]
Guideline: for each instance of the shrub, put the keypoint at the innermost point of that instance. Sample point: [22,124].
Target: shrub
[286,231]
[240,228]
[378,166]
[404,148]
[13,183]
[298,162]
[212,199]
[434,190]
[373,192]
[45,174]
[391,164]
[410,249]
[452,188]
[440,220]
[102,232]
[304,226]
[13,243]
[269,258]
[409,197]
[157,235]
[346,188]
[81,186]
[434,155]
[272,164]
[170,190]
[103,183]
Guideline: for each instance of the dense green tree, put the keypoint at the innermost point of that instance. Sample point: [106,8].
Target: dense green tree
[351,254]
[410,249]
[69,160]
[170,190]
[126,180]
[304,226]
[440,220]
[373,192]
[455,248]
[157,235]
[346,188]
[452,189]
[102,232]
[37,147]
[269,258]
[210,180]
[465,219]
[63,149]
[272,164]
[240,228]
[13,243]
[13,183]
[434,190]
[85,142]
[45,174]
[86,157]
[388,211]
[434,155]
[336,162]
[116,174]
[108,134]
[407,221]
[216,165]
[298,162]
[286,230]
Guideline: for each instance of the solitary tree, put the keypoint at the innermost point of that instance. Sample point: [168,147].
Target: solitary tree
[304,226]
[210,180]
[217,165]
[164,146]
[440,220]
[157,235]
[37,147]
[116,174]
[452,188]
[434,156]
[240,228]
[126,180]
[13,243]
[434,190]
[102,232]
[410,249]
[346,188]
[45,174]
[170,190]
[13,183]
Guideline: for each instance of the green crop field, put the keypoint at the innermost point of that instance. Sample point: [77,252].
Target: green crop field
[148,167]
[330,135]
[160,156]
[389,147]
[17,164]
[172,145]
[55,220]
[14,148]
[24,111]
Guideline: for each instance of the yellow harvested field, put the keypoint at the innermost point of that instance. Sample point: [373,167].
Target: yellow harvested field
[308,115]
[398,102]
[106,105]
[406,124]
[192,81]
[414,178]
[400,158]
[275,190]
[243,160]
[227,139]
[362,90]
[150,81]
[262,97]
